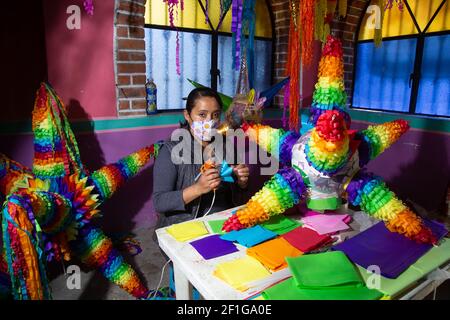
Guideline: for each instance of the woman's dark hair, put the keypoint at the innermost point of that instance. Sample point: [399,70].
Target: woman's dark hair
[196,94]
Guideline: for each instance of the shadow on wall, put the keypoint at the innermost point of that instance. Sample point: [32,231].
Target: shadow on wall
[424,181]
[91,153]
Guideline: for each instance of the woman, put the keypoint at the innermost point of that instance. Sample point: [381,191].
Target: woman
[180,192]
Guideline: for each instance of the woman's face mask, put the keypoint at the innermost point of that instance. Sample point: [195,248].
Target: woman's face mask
[203,130]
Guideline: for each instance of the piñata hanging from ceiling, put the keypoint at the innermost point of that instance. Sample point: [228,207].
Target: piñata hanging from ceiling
[49,211]
[327,163]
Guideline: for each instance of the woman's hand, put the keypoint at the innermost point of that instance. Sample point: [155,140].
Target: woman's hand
[242,173]
[208,181]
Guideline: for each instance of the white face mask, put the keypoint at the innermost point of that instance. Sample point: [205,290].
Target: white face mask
[203,130]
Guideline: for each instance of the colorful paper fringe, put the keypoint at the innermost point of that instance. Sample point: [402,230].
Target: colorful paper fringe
[329,93]
[278,194]
[328,147]
[111,177]
[307,30]
[277,142]
[377,138]
[49,211]
[374,197]
[325,158]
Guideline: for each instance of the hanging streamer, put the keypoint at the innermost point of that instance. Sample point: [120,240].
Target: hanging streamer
[307,30]
[285,104]
[172,4]
[293,65]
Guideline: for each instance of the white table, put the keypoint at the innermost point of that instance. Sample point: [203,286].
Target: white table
[190,269]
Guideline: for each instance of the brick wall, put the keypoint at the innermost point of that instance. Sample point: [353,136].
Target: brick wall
[129,57]
[281,14]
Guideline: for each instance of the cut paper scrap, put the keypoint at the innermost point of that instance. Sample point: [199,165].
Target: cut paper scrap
[187,230]
[324,270]
[280,224]
[326,223]
[216,226]
[250,237]
[287,290]
[305,239]
[272,254]
[212,247]
[237,273]
[427,263]
[392,252]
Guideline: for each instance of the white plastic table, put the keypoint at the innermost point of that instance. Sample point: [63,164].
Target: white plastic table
[190,269]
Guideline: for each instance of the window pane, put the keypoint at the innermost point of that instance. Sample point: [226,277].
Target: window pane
[382,75]
[229,77]
[193,17]
[195,63]
[434,87]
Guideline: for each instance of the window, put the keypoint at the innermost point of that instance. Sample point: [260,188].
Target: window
[410,71]
[202,46]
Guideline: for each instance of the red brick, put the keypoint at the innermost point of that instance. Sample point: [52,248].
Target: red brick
[131,44]
[361,4]
[132,92]
[132,7]
[127,19]
[349,36]
[123,80]
[124,104]
[350,28]
[131,67]
[130,56]
[137,32]
[357,12]
[139,80]
[138,104]
[351,20]
[122,32]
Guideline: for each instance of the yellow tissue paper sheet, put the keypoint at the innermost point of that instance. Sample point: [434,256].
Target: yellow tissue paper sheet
[237,273]
[187,230]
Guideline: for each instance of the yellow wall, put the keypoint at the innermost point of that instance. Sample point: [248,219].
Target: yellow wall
[399,23]
[193,17]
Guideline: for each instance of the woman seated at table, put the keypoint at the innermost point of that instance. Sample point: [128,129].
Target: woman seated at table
[180,192]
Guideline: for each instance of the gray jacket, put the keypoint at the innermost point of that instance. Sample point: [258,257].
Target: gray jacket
[170,179]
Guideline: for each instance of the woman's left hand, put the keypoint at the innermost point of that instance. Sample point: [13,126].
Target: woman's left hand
[242,173]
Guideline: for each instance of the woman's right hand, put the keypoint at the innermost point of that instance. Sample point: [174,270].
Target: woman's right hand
[208,181]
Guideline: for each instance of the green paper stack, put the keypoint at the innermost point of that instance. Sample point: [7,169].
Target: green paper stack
[280,224]
[322,276]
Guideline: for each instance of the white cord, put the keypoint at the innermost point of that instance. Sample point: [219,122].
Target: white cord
[198,207]
[212,203]
[160,280]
